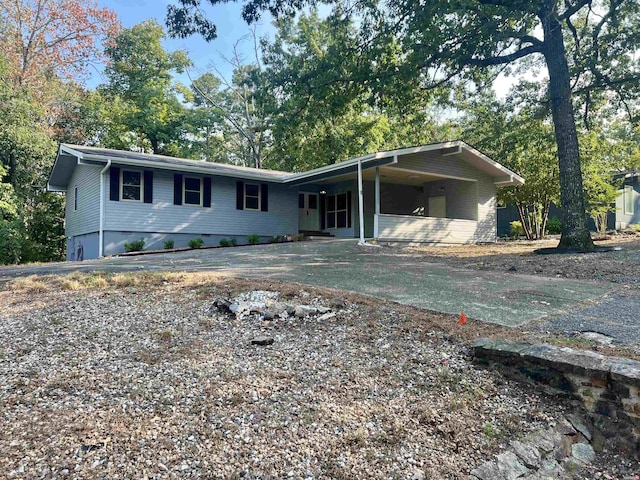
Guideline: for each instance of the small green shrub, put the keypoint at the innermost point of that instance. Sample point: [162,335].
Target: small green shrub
[253,239]
[168,244]
[233,241]
[554,226]
[196,243]
[134,246]
[516,229]
[634,227]
[224,242]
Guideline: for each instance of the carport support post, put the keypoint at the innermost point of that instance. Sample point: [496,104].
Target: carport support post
[360,203]
[377,212]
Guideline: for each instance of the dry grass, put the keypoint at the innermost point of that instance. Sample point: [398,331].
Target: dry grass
[101,280]
[30,284]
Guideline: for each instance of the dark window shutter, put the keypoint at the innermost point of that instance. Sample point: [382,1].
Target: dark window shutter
[114,184]
[239,195]
[177,189]
[264,200]
[349,209]
[206,194]
[148,186]
[323,212]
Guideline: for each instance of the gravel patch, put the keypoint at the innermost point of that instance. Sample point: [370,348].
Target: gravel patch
[158,382]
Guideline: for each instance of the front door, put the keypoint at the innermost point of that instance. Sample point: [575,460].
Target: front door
[308,217]
[438,207]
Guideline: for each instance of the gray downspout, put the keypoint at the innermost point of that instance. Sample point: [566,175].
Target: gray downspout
[102,204]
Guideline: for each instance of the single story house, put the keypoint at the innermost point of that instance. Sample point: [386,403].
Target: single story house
[626,210]
[440,193]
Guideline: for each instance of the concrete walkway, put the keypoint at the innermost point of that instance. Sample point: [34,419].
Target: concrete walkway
[506,299]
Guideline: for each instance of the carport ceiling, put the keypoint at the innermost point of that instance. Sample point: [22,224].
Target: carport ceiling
[387,175]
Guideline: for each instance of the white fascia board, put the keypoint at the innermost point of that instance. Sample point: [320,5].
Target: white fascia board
[352,162]
[182,168]
[71,151]
[511,181]
[424,148]
[53,188]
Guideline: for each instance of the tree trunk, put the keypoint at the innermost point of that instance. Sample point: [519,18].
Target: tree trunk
[154,145]
[575,233]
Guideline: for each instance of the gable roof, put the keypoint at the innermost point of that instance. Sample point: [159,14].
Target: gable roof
[71,155]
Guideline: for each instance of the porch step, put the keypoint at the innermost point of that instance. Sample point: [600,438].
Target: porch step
[315,233]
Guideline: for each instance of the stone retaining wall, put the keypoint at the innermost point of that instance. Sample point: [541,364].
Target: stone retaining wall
[607,387]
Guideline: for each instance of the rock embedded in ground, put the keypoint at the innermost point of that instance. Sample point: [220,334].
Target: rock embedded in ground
[528,453]
[222,305]
[564,427]
[487,471]
[327,316]
[262,341]
[417,475]
[583,453]
[579,424]
[338,302]
[510,466]
[302,311]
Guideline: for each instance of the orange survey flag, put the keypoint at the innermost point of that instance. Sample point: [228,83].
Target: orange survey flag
[463,319]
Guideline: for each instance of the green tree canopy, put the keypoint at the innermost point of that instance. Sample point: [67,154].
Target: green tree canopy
[585,45]
[142,90]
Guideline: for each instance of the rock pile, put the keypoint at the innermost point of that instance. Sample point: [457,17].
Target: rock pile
[544,454]
[264,308]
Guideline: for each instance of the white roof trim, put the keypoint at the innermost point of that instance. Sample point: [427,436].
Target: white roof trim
[185,168]
[284,177]
[71,151]
[516,179]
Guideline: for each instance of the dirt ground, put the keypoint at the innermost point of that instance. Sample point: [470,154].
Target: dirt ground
[620,266]
[136,376]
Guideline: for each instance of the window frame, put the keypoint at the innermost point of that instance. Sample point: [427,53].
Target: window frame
[184,190]
[259,196]
[75,199]
[337,210]
[627,196]
[141,186]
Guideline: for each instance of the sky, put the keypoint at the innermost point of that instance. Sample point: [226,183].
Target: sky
[227,17]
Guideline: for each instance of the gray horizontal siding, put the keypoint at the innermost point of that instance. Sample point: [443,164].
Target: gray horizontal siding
[162,216]
[430,162]
[86,219]
[624,219]
[487,216]
[452,166]
[407,228]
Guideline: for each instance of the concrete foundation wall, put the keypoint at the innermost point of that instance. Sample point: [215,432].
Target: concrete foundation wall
[114,241]
[83,247]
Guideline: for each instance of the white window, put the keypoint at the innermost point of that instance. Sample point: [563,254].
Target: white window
[75,198]
[629,206]
[131,185]
[251,196]
[192,191]
[337,211]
